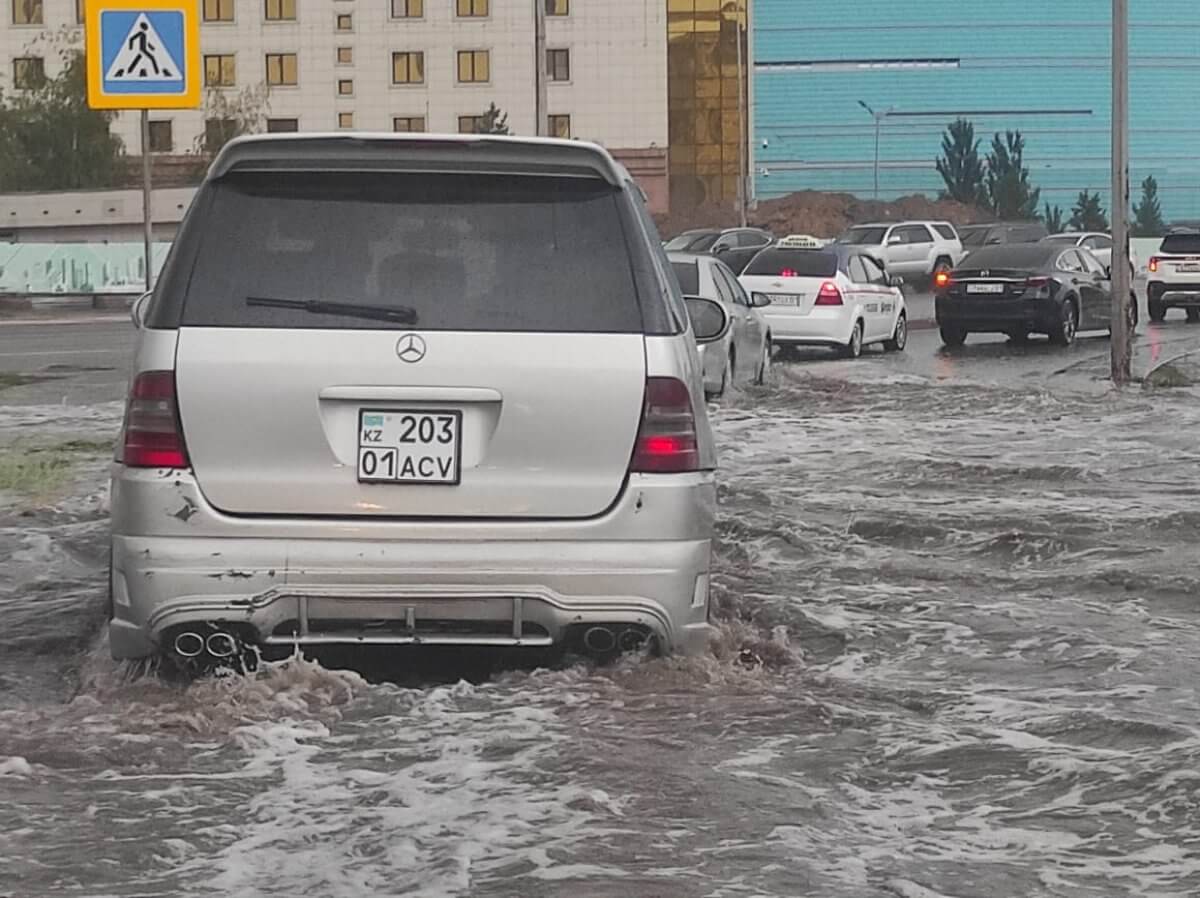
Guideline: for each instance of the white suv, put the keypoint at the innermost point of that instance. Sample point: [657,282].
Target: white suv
[1174,276]
[914,250]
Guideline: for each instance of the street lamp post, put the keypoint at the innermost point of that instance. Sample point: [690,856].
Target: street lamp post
[879,117]
[1121,276]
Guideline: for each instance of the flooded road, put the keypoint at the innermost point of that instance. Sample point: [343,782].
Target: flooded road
[960,642]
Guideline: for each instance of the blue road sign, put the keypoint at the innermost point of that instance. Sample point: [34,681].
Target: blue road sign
[142,54]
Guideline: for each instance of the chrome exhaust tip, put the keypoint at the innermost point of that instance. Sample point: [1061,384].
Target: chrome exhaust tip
[189,644]
[599,640]
[631,640]
[222,645]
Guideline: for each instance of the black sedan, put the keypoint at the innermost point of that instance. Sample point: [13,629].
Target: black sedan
[1019,289]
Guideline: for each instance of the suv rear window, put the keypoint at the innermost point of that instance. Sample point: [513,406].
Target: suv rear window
[946,231]
[688,275]
[463,251]
[803,263]
[863,236]
[1181,244]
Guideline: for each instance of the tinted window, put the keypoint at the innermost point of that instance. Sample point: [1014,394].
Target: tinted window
[748,239]
[974,236]
[688,275]
[946,231]
[1024,256]
[914,234]
[465,252]
[1101,242]
[804,263]
[863,236]
[1028,233]
[1181,244]
[693,242]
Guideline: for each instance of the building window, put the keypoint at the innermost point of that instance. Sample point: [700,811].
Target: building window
[219,71]
[162,139]
[345,56]
[281,10]
[408,9]
[27,12]
[472,9]
[218,10]
[282,125]
[558,65]
[559,126]
[408,67]
[218,132]
[29,72]
[474,66]
[345,119]
[471,124]
[346,87]
[345,22]
[409,124]
[281,69]
[558,7]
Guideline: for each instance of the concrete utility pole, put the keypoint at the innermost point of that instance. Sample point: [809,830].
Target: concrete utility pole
[1121,275]
[539,69]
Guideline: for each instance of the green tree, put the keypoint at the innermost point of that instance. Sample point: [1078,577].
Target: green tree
[1053,217]
[960,166]
[1147,215]
[493,121]
[51,140]
[1088,214]
[1009,193]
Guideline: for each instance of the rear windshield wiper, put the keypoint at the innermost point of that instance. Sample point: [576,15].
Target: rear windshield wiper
[398,314]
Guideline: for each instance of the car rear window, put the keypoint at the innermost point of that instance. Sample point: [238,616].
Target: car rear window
[863,236]
[1010,255]
[462,251]
[688,275]
[1181,244]
[693,242]
[946,231]
[803,263]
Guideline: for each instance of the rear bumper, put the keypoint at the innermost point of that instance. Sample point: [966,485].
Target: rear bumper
[178,563]
[997,314]
[1181,295]
[823,326]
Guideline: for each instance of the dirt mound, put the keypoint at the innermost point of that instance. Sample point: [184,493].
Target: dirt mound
[828,214]
[820,214]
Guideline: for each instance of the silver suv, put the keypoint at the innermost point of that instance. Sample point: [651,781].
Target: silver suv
[413,390]
[914,250]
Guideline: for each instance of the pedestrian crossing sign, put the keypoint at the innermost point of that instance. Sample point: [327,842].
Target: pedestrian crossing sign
[143,54]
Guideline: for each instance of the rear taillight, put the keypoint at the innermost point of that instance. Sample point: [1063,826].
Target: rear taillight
[941,280]
[666,442]
[153,436]
[1037,283]
[1154,263]
[829,295]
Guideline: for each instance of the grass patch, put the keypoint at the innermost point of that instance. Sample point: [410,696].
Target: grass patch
[43,470]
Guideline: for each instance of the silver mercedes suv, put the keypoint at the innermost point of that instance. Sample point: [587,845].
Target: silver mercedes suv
[398,390]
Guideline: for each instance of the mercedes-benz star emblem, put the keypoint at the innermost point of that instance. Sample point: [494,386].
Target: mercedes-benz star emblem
[411,348]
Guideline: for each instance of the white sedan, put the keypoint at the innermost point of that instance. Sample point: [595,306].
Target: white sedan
[1099,244]
[838,296]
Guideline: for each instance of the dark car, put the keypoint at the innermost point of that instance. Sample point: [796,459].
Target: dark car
[735,246]
[1000,233]
[1024,288]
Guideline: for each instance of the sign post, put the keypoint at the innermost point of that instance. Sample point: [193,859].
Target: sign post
[143,54]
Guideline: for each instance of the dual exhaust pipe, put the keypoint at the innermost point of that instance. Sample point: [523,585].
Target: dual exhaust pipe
[219,645]
[603,640]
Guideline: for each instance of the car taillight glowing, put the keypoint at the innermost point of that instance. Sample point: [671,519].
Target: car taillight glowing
[153,436]
[941,280]
[829,295]
[1037,283]
[666,442]
[1154,263]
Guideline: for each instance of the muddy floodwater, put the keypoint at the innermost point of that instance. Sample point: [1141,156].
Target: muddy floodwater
[959,655]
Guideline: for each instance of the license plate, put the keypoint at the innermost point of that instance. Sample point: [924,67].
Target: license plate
[784,299]
[408,446]
[1188,267]
[985,288]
